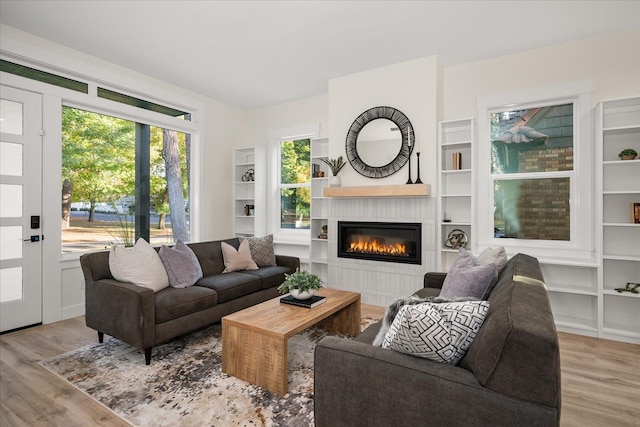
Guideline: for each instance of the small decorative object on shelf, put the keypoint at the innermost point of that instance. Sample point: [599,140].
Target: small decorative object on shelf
[249,176]
[631,288]
[628,154]
[336,166]
[456,239]
[324,234]
[456,161]
[301,284]
[635,213]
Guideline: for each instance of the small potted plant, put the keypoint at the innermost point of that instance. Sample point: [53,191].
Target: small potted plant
[628,154]
[335,165]
[301,284]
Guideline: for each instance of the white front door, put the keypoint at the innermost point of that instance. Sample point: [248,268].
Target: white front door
[20,208]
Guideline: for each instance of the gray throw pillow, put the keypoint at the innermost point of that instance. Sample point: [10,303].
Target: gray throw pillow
[261,250]
[182,265]
[497,256]
[467,277]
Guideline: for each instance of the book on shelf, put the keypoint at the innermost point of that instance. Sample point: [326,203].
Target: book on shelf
[635,213]
[308,303]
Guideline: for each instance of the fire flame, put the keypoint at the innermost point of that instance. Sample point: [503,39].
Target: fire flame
[373,247]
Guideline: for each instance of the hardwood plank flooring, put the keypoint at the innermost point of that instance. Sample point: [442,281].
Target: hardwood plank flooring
[600,379]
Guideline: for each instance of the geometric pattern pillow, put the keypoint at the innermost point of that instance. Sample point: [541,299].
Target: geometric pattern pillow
[440,332]
[261,250]
[182,265]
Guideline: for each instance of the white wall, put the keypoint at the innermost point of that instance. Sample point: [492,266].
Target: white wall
[612,62]
[411,87]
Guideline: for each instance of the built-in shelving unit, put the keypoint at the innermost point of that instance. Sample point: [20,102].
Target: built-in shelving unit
[318,249]
[248,192]
[455,186]
[618,187]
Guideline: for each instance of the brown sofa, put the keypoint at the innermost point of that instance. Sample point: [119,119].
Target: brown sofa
[142,318]
[510,375]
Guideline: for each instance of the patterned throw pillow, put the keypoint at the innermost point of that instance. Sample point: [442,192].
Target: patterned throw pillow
[182,265]
[261,250]
[237,260]
[440,332]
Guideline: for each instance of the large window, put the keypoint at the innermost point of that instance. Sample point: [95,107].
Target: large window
[121,181]
[294,184]
[531,172]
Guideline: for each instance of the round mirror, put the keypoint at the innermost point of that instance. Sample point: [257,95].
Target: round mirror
[379,142]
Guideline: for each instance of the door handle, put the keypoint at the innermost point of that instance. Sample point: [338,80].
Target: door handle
[35,238]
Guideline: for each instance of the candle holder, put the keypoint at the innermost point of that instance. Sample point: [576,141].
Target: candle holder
[418,181]
[409,162]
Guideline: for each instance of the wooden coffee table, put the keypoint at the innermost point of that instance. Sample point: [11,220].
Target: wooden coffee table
[254,340]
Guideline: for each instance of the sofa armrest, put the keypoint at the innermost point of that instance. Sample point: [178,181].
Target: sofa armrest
[288,261]
[123,310]
[434,280]
[358,385]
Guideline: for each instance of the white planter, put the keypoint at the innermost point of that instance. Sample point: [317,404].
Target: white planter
[302,295]
[334,181]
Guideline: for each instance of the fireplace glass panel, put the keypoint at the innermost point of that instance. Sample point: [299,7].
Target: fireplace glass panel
[377,241]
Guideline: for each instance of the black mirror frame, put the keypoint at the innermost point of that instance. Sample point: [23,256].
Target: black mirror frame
[408,142]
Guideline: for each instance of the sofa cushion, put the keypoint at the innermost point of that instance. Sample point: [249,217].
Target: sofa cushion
[125,266]
[440,332]
[231,285]
[271,276]
[518,324]
[210,255]
[181,264]
[467,277]
[261,250]
[237,260]
[172,303]
[497,256]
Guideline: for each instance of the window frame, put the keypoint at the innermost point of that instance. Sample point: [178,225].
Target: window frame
[275,138]
[581,244]
[280,186]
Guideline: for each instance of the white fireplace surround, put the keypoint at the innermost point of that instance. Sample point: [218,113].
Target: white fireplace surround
[379,282]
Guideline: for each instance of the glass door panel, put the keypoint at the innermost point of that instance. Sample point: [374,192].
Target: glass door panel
[20,198]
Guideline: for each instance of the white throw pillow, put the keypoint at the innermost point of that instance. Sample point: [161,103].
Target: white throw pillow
[440,332]
[237,260]
[140,265]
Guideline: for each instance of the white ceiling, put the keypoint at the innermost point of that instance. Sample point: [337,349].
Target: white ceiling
[257,53]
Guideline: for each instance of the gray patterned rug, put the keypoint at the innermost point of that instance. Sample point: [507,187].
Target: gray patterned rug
[185,385]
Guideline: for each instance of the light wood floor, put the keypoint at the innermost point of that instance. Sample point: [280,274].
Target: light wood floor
[600,380]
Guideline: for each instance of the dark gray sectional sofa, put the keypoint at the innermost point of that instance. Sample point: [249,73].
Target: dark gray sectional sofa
[142,318]
[510,376]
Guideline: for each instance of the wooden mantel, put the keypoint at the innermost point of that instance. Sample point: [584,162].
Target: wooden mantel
[407,190]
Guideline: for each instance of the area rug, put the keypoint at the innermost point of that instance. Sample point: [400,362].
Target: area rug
[185,385]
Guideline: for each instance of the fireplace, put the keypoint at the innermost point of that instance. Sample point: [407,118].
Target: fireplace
[380,241]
